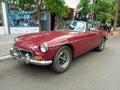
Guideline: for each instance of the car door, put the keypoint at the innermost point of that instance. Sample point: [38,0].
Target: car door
[85,42]
[91,40]
[79,43]
[79,38]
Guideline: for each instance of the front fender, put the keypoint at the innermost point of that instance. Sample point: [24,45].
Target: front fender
[48,55]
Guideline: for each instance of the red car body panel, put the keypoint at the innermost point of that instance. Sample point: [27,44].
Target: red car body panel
[79,42]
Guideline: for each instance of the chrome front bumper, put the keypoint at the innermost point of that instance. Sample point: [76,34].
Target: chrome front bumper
[27,59]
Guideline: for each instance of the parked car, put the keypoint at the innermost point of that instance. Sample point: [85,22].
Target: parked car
[58,48]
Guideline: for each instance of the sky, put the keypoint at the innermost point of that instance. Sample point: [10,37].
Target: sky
[72,3]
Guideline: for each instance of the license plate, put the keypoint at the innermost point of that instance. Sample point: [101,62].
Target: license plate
[20,59]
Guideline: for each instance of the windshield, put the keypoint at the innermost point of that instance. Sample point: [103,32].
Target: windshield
[79,26]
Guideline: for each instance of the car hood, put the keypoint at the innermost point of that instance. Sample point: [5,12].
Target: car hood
[52,38]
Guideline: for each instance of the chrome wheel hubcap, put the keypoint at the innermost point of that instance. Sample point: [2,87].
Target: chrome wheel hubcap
[64,59]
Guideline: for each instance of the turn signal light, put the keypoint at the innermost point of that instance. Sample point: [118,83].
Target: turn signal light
[38,58]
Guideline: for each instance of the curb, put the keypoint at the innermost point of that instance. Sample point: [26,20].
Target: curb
[5,58]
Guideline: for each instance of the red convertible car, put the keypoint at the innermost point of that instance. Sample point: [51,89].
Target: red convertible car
[57,48]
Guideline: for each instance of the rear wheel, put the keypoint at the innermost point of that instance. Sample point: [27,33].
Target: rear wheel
[101,46]
[62,59]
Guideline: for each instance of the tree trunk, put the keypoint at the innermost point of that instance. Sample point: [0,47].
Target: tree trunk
[39,18]
[93,11]
[116,16]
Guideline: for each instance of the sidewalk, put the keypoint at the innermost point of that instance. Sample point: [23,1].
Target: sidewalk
[6,42]
[115,33]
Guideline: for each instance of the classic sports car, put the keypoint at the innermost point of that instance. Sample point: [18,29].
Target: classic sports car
[57,48]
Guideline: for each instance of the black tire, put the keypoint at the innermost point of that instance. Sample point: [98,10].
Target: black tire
[62,59]
[101,46]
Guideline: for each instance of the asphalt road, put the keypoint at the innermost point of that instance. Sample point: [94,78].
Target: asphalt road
[92,71]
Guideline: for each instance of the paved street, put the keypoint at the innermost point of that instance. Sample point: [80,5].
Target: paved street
[92,71]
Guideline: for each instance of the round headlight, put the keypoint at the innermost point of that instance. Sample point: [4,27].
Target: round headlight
[44,47]
[16,39]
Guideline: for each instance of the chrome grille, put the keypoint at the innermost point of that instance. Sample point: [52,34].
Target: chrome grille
[21,51]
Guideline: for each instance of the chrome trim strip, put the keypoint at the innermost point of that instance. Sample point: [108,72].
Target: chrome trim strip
[41,62]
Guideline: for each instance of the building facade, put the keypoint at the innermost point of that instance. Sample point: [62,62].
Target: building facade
[14,20]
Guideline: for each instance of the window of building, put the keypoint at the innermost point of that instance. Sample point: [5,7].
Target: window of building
[20,18]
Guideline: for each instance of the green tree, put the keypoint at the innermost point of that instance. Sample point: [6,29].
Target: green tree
[102,10]
[53,6]
[85,7]
[107,10]
[103,7]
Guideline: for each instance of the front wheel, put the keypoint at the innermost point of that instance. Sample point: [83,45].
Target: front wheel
[62,59]
[101,46]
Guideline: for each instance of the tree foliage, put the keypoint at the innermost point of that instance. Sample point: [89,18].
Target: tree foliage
[56,6]
[85,7]
[101,9]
